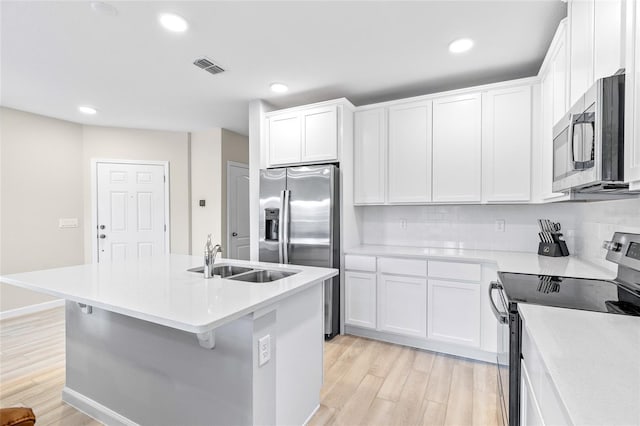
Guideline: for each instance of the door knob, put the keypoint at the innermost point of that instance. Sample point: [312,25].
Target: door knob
[102,236]
[234,234]
[102,226]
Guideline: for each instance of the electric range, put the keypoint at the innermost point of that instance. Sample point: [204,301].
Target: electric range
[620,296]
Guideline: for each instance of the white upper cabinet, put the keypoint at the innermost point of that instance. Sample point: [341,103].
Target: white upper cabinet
[309,134]
[608,38]
[632,97]
[284,139]
[581,43]
[560,73]
[410,153]
[320,134]
[457,148]
[370,156]
[506,144]
[595,42]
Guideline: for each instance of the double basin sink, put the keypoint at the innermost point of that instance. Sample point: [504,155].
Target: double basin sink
[240,273]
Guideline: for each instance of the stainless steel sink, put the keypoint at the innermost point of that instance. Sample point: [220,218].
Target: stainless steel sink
[224,271]
[262,276]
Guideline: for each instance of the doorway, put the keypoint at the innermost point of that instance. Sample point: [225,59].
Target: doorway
[237,211]
[130,209]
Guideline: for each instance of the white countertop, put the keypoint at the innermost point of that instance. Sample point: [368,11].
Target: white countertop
[507,261]
[161,290]
[593,359]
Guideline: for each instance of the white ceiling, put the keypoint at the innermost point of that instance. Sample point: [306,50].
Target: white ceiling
[57,55]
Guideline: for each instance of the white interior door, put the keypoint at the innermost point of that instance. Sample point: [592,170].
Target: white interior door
[130,210]
[238,211]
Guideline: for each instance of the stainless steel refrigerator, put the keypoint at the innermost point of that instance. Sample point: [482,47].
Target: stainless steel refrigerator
[300,225]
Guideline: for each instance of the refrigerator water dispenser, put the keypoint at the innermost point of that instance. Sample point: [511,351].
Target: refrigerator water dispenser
[272,224]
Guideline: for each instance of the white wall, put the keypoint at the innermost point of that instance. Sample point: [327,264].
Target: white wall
[206,184]
[41,182]
[598,223]
[465,226]
[134,144]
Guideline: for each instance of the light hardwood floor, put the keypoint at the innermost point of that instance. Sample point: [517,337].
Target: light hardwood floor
[366,382]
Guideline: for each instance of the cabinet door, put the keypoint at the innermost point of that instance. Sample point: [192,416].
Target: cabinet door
[632,98]
[370,156]
[581,39]
[457,148]
[284,139]
[506,144]
[530,414]
[608,38]
[560,73]
[402,305]
[360,299]
[410,152]
[454,312]
[320,134]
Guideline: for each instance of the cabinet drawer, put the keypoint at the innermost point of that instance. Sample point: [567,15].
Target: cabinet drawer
[390,265]
[360,263]
[455,270]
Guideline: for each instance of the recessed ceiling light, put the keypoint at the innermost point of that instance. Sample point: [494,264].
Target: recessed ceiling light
[279,87]
[104,8]
[85,109]
[460,45]
[173,22]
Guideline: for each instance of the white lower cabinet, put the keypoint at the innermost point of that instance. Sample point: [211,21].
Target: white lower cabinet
[434,304]
[402,305]
[454,312]
[530,414]
[360,300]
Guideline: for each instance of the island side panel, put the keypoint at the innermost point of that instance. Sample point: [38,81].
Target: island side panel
[300,320]
[155,375]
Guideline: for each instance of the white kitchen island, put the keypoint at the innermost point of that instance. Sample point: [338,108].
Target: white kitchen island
[150,343]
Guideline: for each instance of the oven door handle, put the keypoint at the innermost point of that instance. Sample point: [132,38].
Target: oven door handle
[502,317]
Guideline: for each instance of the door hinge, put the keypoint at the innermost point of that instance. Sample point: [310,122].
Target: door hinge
[165,228]
[164,178]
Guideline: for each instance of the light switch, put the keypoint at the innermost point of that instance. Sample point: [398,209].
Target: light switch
[499,225]
[71,222]
[264,350]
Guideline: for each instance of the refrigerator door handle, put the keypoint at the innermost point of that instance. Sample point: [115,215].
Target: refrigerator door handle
[285,225]
[281,230]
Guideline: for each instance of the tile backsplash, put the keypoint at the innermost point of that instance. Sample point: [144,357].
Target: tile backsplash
[598,222]
[585,225]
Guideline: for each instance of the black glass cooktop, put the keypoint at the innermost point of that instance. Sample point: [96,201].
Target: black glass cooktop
[573,293]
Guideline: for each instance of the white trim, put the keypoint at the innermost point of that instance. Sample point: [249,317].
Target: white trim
[226,231]
[313,413]
[94,409]
[422,343]
[26,310]
[94,200]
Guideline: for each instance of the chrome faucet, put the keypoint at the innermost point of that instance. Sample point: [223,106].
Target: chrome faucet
[210,252]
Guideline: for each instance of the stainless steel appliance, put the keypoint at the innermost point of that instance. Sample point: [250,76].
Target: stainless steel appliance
[620,296]
[588,142]
[300,225]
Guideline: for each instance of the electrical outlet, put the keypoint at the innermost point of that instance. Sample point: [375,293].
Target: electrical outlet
[403,223]
[264,350]
[499,226]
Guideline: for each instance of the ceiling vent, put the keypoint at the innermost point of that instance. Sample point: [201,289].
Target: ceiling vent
[208,66]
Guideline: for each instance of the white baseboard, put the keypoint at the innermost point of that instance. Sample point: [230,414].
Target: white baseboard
[94,409]
[429,345]
[26,310]
[315,410]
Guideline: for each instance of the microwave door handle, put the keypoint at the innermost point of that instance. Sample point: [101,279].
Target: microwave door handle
[502,317]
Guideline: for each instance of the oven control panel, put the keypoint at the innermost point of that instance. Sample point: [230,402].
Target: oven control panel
[624,249]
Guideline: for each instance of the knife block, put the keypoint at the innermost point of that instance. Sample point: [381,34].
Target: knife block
[555,249]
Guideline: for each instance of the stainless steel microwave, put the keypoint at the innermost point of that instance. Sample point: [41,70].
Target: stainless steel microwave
[588,142]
